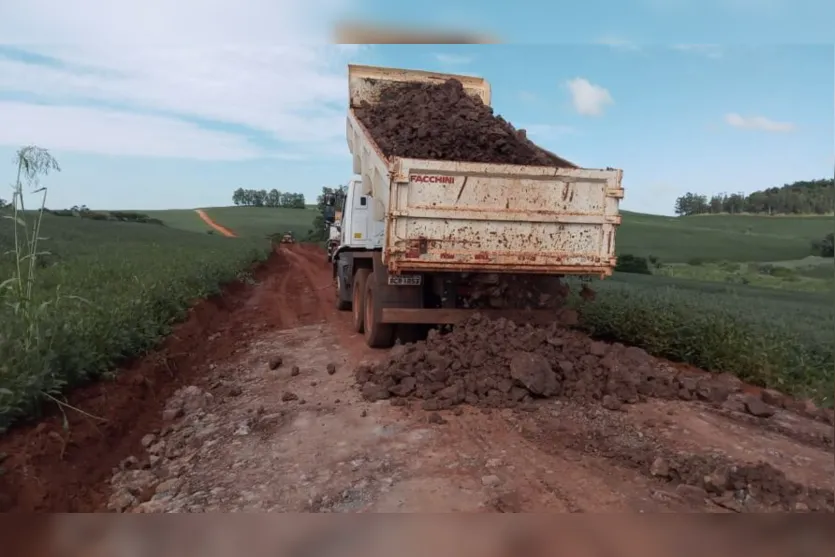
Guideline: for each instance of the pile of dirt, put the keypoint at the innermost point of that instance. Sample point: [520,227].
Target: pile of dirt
[443,122]
[496,363]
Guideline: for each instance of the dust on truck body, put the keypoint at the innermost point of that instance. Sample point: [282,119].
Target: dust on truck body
[415,233]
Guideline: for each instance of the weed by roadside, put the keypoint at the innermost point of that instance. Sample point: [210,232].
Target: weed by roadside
[103,292]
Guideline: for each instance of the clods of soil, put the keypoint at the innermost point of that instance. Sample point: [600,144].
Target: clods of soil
[443,122]
[497,364]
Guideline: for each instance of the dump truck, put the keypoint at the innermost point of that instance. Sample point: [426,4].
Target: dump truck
[429,242]
[332,226]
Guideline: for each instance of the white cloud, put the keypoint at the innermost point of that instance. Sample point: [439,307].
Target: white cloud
[619,43]
[452,59]
[589,99]
[111,132]
[709,50]
[247,63]
[160,23]
[760,123]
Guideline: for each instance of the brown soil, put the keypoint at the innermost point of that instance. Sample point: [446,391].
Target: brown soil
[50,468]
[252,406]
[498,364]
[442,122]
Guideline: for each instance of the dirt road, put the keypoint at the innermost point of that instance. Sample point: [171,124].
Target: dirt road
[253,406]
[208,220]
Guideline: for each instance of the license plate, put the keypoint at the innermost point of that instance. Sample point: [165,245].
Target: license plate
[405,280]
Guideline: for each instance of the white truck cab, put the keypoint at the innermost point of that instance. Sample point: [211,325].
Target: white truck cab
[358,227]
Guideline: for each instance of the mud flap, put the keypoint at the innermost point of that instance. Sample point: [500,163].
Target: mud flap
[391,296]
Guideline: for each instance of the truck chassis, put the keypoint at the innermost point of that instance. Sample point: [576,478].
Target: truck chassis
[385,306]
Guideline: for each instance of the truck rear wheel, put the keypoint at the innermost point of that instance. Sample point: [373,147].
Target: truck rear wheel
[377,334]
[358,298]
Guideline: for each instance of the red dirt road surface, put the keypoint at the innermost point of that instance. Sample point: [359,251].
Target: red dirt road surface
[208,220]
[266,400]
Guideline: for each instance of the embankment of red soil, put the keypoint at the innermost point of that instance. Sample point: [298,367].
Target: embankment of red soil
[50,468]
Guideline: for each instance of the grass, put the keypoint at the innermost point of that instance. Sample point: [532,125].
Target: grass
[133,281]
[246,222]
[261,222]
[672,239]
[812,274]
[720,237]
[774,338]
[182,219]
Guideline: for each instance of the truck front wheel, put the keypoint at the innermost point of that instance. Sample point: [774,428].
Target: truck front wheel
[377,333]
[341,303]
[358,298]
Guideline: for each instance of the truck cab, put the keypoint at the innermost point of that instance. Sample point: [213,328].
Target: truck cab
[359,230]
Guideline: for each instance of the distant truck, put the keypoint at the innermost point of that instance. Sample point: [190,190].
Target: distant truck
[333,226]
[430,242]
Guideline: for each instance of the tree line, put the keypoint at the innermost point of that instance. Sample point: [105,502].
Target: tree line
[264,198]
[320,231]
[805,197]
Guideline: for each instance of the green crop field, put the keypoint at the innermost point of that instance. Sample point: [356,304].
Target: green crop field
[775,338]
[184,219]
[252,222]
[720,237]
[261,222]
[122,286]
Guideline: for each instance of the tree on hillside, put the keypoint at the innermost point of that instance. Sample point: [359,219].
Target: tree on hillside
[320,232]
[825,247]
[690,204]
[808,197]
[264,198]
[292,200]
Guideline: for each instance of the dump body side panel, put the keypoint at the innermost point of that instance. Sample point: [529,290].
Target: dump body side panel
[451,216]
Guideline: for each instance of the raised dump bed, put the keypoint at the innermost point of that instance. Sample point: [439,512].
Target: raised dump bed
[460,189]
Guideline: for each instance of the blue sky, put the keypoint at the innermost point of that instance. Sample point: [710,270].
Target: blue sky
[147,114]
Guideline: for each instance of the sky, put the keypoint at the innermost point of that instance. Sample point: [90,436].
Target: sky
[158,105]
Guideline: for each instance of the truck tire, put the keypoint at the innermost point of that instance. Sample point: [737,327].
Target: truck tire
[377,334]
[358,298]
[341,303]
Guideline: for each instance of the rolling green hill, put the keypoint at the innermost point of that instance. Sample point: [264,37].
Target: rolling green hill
[672,239]
[247,222]
[262,222]
[184,219]
[720,237]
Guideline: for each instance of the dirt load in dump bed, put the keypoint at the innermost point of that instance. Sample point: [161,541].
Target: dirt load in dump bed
[443,122]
